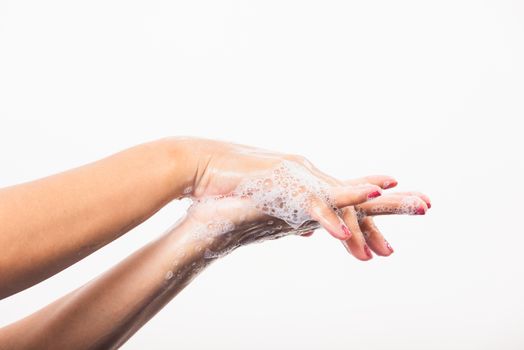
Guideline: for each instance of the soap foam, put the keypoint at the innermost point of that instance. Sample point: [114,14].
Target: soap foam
[285,193]
[409,205]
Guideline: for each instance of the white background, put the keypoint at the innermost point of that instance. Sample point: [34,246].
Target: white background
[431,92]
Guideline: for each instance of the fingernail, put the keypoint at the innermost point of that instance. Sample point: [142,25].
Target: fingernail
[389,246]
[307,233]
[389,184]
[368,251]
[420,211]
[346,231]
[428,204]
[374,194]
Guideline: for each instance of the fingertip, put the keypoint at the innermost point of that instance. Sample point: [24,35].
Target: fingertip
[360,252]
[421,209]
[389,183]
[364,254]
[389,247]
[427,200]
[385,250]
[368,252]
[375,193]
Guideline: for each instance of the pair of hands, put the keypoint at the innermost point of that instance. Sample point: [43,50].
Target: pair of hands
[344,208]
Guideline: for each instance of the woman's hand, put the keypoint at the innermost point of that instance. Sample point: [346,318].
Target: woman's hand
[262,195]
[222,167]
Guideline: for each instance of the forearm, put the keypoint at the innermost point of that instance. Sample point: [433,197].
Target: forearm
[53,222]
[107,311]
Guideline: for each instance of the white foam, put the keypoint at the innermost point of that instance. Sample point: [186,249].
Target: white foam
[215,227]
[284,192]
[409,205]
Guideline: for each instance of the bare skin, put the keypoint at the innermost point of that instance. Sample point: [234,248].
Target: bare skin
[83,211]
[51,223]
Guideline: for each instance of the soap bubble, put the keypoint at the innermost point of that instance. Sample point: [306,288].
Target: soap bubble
[286,193]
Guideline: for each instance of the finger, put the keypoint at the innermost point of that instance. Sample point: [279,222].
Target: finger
[374,238]
[327,218]
[356,244]
[394,204]
[351,195]
[424,197]
[383,181]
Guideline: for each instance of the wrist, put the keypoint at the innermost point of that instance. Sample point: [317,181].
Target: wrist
[182,155]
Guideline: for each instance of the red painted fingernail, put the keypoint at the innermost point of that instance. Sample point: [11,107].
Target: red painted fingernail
[428,204]
[389,246]
[389,184]
[420,211]
[368,251]
[346,231]
[374,194]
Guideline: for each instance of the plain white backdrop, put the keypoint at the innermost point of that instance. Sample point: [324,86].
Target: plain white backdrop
[431,92]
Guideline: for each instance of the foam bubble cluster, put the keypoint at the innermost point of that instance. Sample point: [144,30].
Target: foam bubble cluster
[285,193]
[409,205]
[216,227]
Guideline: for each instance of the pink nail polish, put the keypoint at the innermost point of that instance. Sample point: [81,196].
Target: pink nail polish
[346,231]
[374,194]
[389,246]
[368,251]
[420,211]
[389,184]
